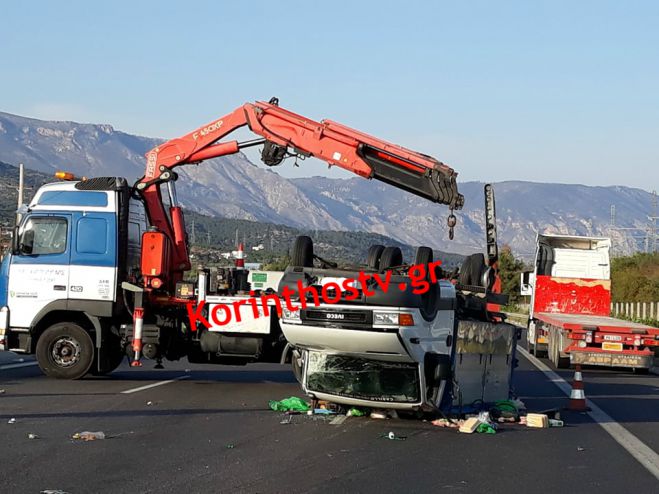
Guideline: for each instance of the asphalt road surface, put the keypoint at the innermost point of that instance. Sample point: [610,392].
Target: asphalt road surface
[191,428]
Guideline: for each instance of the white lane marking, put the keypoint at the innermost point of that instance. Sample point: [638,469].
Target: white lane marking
[645,455]
[153,385]
[338,420]
[17,366]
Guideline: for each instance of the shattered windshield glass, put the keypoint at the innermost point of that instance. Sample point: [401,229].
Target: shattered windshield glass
[363,379]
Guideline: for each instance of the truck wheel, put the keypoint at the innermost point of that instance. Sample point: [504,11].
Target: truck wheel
[391,257]
[113,360]
[374,255]
[424,256]
[472,269]
[562,362]
[302,255]
[529,346]
[65,351]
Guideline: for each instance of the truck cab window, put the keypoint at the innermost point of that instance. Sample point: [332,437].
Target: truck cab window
[43,235]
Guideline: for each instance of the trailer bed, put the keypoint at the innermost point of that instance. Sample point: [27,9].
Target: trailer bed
[604,323]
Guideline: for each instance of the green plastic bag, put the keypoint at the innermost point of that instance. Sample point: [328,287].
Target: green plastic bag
[356,412]
[486,429]
[292,404]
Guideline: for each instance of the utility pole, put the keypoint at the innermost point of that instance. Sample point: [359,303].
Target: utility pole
[194,236]
[21,186]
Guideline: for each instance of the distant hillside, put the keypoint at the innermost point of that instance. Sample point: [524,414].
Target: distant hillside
[219,234]
[234,187]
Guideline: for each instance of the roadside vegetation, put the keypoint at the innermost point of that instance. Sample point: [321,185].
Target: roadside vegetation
[635,278]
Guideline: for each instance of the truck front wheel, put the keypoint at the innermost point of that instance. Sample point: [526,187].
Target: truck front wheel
[65,351]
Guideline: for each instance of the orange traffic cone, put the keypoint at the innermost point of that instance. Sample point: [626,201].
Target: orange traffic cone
[577,395]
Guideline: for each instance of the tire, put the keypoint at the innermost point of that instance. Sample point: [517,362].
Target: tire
[555,352]
[373,256]
[112,361]
[391,257]
[471,272]
[424,256]
[529,346]
[65,351]
[302,255]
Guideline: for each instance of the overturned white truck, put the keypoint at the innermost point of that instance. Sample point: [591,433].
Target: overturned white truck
[399,335]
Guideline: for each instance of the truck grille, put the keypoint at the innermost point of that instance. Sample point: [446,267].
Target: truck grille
[358,319]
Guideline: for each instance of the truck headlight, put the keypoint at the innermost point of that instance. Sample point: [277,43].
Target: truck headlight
[291,316]
[389,318]
[392,319]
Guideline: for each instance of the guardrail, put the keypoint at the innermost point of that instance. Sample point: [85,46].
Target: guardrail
[636,310]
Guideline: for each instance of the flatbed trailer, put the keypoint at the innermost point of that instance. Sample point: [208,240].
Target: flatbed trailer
[598,340]
[569,316]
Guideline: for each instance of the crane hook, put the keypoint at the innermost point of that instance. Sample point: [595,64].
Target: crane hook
[451,221]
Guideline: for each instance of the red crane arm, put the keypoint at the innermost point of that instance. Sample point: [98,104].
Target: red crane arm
[284,134]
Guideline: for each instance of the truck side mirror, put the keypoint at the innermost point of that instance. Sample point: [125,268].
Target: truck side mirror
[14,240]
[525,286]
[26,242]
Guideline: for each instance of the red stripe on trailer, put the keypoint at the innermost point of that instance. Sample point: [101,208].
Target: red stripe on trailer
[572,295]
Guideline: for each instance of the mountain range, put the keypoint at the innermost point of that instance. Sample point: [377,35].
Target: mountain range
[234,187]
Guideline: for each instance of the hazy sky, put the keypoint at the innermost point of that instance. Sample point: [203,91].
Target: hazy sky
[560,91]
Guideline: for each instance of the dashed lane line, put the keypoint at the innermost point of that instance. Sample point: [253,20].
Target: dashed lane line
[153,385]
[645,455]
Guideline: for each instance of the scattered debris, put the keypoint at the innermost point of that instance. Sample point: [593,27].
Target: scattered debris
[355,412]
[393,437]
[453,424]
[88,436]
[149,403]
[470,425]
[579,448]
[287,420]
[289,404]
[322,411]
[11,421]
[486,428]
[31,435]
[53,491]
[380,414]
[556,423]
[2,391]
[230,446]
[538,420]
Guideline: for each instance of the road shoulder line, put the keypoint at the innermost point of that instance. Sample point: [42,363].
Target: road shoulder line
[645,455]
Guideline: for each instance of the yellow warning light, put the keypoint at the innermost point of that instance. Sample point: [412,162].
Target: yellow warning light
[65,176]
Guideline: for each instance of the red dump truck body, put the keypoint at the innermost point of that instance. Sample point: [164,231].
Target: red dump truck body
[569,316]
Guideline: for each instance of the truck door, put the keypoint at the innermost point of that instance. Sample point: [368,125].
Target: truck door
[93,257]
[39,271]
